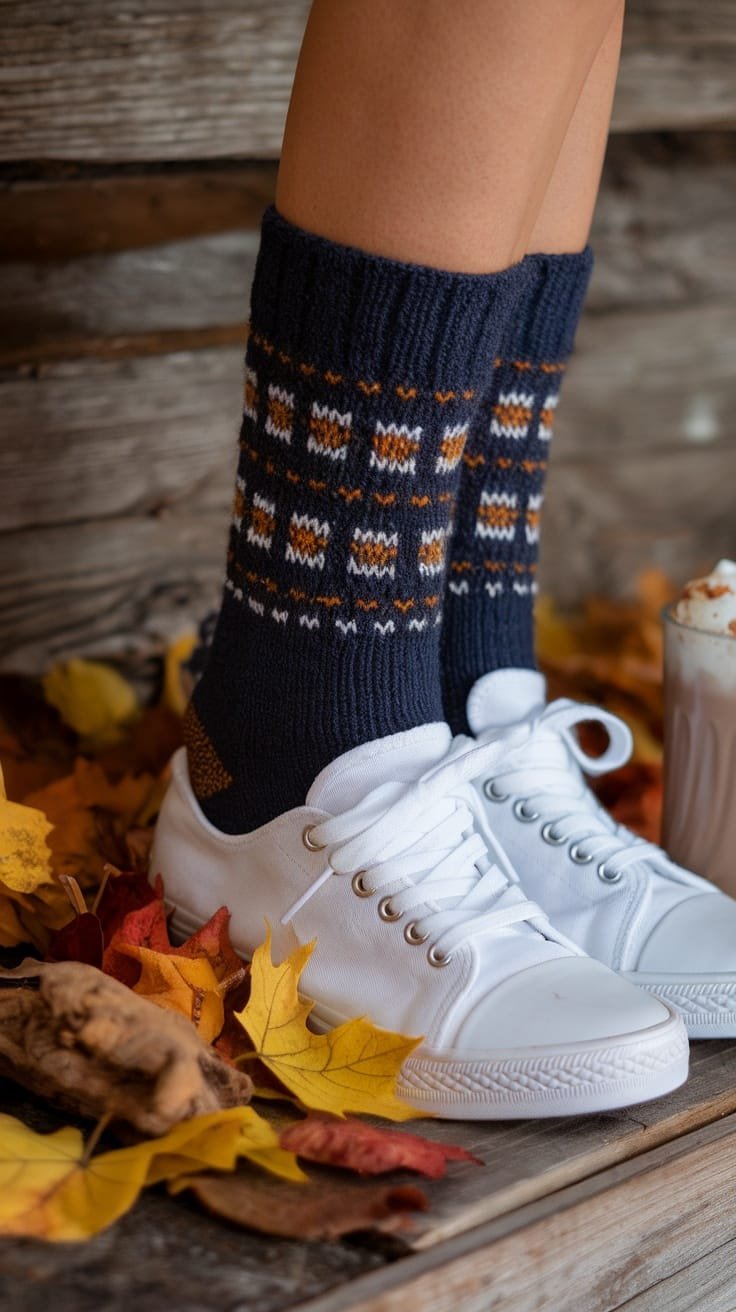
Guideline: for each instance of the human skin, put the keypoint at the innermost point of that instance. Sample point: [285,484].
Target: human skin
[456,135]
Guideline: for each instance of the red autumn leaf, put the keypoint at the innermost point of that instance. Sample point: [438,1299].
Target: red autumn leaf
[233,1040]
[145,927]
[213,941]
[368,1150]
[124,892]
[79,940]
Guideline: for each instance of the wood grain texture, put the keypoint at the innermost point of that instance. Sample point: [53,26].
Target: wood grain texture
[526,1161]
[185,79]
[708,1285]
[63,217]
[108,259]
[118,588]
[92,440]
[591,1246]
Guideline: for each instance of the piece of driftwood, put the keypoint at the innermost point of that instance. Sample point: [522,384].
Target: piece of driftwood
[172,80]
[88,1043]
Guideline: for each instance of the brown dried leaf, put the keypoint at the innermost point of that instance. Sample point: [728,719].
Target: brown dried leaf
[324,1208]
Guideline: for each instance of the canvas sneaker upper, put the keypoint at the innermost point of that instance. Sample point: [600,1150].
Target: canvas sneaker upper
[390,868]
[620,898]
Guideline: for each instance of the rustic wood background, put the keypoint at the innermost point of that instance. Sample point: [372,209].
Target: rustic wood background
[138,143]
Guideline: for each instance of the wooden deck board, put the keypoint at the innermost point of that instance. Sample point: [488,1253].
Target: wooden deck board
[708,1285]
[528,1160]
[591,1246]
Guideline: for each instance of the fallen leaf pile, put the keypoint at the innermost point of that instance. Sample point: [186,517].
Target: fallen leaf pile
[164,1045]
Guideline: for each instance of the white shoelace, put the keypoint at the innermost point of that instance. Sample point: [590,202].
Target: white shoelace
[542,777]
[420,841]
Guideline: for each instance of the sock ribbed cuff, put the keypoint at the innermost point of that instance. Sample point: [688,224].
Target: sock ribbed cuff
[542,326]
[377,318]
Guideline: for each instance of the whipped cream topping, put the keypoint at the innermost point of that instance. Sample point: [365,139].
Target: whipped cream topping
[709,603]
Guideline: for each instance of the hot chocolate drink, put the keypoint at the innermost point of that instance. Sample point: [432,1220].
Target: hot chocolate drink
[699,821]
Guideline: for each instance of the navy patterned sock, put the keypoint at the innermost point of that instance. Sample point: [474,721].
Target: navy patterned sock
[491,582]
[362,378]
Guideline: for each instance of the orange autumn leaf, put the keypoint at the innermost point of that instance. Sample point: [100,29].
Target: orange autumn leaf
[187,985]
[193,978]
[91,816]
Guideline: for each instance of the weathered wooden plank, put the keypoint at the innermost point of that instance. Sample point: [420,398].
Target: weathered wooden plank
[650,380]
[119,585]
[88,440]
[85,439]
[525,1161]
[670,45]
[115,257]
[708,1285]
[606,520]
[117,588]
[181,80]
[57,308]
[592,1246]
[64,217]
[663,226]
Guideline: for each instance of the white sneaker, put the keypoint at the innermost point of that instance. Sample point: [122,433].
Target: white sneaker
[619,898]
[417,929]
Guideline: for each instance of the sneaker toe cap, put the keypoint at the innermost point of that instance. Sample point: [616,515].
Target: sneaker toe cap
[566,1001]
[695,937]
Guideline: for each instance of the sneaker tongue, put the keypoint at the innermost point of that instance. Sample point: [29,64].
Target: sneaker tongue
[401,757]
[504,697]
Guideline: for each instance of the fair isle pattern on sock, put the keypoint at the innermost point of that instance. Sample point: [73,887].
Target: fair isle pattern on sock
[492,569]
[361,386]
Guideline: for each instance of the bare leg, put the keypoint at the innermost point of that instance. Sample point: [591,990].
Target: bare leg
[563,222]
[427,132]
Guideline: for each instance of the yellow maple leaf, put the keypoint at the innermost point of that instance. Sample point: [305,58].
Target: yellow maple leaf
[25,856]
[188,985]
[93,699]
[214,1148]
[50,1190]
[177,685]
[352,1068]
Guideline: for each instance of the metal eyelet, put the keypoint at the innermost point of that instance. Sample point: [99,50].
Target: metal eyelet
[609,876]
[386,911]
[550,836]
[521,813]
[309,842]
[493,793]
[436,958]
[411,935]
[359,888]
[580,857]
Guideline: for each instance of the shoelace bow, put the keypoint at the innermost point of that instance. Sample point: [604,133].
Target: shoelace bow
[539,774]
[420,841]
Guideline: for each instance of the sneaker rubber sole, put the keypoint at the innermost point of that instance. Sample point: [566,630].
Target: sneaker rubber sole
[707,1005]
[559,1080]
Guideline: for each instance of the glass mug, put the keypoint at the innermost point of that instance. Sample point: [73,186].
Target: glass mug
[699,812]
